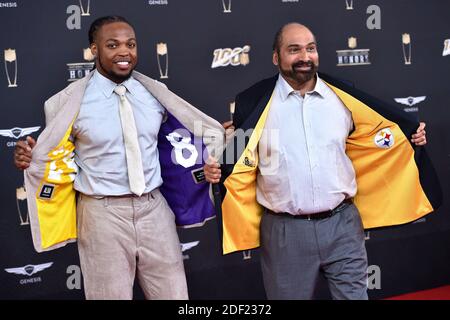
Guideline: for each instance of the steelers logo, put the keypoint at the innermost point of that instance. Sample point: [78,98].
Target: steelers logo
[384,138]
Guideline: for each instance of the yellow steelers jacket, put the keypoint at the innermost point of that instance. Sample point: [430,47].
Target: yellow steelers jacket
[396,184]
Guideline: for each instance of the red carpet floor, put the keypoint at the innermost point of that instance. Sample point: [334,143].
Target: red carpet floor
[441,293]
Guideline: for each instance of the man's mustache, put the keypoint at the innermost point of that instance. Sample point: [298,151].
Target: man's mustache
[303,64]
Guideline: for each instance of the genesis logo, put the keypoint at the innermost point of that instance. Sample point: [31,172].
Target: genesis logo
[17,132]
[409,102]
[158,2]
[8,4]
[28,271]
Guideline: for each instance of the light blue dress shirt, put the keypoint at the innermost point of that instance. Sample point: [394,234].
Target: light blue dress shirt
[303,166]
[99,146]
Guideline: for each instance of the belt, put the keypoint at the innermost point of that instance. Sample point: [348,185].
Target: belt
[122,196]
[316,216]
[132,195]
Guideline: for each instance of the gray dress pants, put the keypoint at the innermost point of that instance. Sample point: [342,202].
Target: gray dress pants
[294,251]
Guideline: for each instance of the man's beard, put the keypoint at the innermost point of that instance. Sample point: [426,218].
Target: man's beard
[114,76]
[300,77]
[119,77]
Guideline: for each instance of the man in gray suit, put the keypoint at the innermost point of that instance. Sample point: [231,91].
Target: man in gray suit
[304,179]
[124,224]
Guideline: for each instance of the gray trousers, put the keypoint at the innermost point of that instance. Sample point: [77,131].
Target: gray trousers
[294,251]
[120,237]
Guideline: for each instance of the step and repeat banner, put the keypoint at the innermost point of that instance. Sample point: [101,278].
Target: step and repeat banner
[207,51]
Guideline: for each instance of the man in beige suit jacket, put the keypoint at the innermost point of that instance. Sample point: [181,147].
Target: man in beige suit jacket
[120,234]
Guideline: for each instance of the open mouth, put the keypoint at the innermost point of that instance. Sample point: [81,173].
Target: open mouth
[123,65]
[303,67]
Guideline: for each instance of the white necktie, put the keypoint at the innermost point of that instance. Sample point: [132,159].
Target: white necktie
[130,137]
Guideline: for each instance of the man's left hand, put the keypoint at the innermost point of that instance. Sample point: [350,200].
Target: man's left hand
[419,138]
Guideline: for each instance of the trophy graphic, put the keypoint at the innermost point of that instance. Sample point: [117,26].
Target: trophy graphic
[247,254]
[349,4]
[406,45]
[161,50]
[446,51]
[232,107]
[10,56]
[21,197]
[87,54]
[80,69]
[244,58]
[352,43]
[226,8]
[85,13]
[353,57]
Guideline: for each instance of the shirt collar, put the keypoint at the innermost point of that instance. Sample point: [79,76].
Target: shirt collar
[320,87]
[107,86]
[285,88]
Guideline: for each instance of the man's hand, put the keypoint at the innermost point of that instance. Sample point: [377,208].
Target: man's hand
[229,127]
[419,138]
[212,167]
[22,153]
[212,170]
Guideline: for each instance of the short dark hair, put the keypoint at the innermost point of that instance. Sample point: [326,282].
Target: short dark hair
[98,23]
[277,39]
[278,35]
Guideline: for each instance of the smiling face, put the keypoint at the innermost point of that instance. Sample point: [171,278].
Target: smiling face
[115,49]
[297,57]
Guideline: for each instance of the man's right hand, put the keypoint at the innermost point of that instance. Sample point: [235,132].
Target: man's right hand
[212,167]
[22,153]
[212,170]
[228,126]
